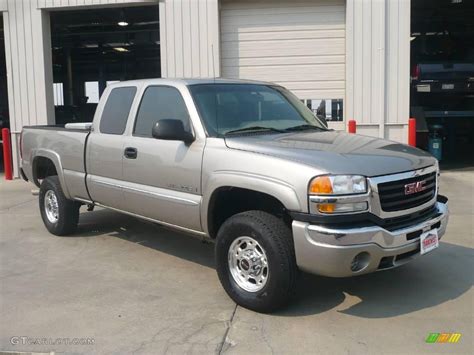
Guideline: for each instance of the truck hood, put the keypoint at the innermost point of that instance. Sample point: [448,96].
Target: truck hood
[336,152]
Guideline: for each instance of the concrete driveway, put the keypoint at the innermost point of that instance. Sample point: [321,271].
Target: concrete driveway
[127,286]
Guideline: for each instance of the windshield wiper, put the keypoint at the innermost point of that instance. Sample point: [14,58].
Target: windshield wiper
[254,129]
[304,127]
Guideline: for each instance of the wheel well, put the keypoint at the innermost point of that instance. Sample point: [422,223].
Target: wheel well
[227,201]
[42,168]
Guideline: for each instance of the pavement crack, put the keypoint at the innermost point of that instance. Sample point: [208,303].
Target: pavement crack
[143,344]
[222,348]
[16,205]
[263,333]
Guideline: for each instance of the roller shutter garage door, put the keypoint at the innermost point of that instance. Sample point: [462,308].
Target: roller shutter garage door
[299,44]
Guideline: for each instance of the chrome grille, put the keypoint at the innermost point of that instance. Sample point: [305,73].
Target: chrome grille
[393,198]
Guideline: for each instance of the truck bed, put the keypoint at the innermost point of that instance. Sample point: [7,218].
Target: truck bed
[65,147]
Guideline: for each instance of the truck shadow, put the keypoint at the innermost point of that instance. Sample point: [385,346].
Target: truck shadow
[106,222]
[431,280]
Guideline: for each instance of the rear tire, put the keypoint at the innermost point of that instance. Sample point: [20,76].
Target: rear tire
[60,215]
[256,261]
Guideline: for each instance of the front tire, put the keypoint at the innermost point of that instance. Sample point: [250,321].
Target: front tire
[256,261]
[60,215]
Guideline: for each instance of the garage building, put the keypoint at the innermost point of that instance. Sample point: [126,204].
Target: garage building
[346,59]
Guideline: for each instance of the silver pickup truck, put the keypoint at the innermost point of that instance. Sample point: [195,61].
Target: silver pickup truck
[247,165]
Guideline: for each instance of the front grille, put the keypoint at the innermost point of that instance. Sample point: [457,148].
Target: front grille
[394,223]
[392,194]
[407,254]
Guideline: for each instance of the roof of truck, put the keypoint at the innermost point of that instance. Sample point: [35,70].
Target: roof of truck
[191,81]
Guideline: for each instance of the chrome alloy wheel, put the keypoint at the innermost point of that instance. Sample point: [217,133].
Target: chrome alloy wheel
[51,206]
[248,264]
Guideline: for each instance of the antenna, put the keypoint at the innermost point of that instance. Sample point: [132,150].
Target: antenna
[214,88]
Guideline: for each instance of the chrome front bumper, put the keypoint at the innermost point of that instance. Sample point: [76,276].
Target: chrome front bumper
[330,251]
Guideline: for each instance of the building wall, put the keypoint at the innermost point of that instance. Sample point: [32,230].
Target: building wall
[28,60]
[54,4]
[377,47]
[378,66]
[299,44]
[29,69]
[189,35]
[377,40]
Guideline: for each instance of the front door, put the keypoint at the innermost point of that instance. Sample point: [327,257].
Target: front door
[162,178]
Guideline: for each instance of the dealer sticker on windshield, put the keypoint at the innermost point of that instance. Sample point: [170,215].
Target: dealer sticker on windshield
[429,241]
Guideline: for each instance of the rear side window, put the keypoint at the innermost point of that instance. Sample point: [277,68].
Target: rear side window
[116,110]
[160,102]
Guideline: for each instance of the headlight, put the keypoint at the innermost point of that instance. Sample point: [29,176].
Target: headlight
[337,194]
[338,185]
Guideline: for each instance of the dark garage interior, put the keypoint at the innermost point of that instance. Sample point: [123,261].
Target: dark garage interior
[442,78]
[93,48]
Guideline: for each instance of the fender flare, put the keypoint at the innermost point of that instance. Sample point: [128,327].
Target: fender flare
[276,188]
[56,159]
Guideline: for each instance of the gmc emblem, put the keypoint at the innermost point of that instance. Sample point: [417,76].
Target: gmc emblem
[415,187]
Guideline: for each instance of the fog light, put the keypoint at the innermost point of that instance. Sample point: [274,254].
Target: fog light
[360,261]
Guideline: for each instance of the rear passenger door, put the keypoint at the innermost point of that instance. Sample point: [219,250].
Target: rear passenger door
[105,147]
[163,180]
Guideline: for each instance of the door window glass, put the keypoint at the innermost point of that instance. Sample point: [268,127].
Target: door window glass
[116,110]
[160,102]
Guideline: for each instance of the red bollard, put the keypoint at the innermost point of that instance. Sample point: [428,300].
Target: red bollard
[412,132]
[7,154]
[352,126]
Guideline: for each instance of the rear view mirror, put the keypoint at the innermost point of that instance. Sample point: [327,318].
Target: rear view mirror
[171,130]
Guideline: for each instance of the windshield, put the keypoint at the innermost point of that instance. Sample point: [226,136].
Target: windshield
[238,108]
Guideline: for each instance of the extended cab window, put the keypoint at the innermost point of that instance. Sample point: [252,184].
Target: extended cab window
[116,110]
[160,102]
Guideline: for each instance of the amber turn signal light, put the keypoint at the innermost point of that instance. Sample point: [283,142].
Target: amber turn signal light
[326,207]
[321,185]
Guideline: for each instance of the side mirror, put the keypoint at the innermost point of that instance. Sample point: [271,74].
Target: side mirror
[171,130]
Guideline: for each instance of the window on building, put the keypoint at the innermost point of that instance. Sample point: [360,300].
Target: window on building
[160,102]
[91,89]
[116,110]
[329,109]
[58,90]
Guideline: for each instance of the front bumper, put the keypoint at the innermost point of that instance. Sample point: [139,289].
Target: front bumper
[330,251]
